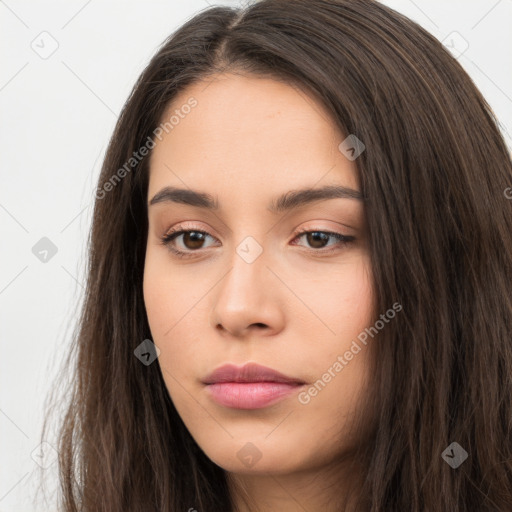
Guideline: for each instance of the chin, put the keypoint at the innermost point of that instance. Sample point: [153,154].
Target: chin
[258,453]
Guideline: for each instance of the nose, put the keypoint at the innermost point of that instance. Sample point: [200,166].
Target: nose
[248,299]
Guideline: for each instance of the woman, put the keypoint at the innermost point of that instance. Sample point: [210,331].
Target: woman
[298,292]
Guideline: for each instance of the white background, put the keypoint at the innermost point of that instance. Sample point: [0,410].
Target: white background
[57,116]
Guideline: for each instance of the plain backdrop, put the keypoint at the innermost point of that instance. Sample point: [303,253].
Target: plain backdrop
[67,69]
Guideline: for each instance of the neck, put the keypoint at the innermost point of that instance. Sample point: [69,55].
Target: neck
[323,489]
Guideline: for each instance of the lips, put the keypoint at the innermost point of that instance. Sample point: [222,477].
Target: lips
[250,372]
[251,386]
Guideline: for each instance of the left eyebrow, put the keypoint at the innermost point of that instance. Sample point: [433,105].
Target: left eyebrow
[296,198]
[288,201]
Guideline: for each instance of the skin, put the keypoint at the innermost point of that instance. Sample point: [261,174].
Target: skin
[248,140]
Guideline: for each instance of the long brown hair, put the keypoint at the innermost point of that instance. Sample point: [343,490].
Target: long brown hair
[440,232]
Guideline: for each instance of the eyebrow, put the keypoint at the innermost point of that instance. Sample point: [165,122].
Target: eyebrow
[287,201]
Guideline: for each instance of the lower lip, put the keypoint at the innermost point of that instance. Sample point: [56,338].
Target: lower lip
[250,395]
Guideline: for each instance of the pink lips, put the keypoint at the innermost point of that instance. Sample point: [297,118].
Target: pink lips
[251,386]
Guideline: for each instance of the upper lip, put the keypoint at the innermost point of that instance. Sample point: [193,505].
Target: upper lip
[250,372]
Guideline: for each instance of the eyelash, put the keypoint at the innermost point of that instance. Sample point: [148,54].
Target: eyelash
[174,233]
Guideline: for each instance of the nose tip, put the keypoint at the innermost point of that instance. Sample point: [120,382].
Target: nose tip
[247,292]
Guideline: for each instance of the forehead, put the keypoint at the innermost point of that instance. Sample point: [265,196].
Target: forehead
[248,136]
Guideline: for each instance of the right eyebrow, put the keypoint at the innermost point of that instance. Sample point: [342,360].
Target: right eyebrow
[185,196]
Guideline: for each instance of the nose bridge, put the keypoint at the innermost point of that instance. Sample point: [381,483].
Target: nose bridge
[244,293]
[247,265]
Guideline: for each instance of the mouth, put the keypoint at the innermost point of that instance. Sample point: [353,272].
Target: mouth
[251,386]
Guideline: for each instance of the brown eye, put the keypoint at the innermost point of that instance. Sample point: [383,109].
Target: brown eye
[192,241]
[318,240]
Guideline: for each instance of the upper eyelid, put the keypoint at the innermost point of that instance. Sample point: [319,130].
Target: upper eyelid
[179,230]
[185,227]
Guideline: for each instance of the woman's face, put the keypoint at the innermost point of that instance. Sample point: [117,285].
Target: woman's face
[251,289]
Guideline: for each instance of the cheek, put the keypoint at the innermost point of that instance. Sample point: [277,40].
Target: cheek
[338,361]
[339,300]
[165,306]
[169,294]
[176,318]
[162,301]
